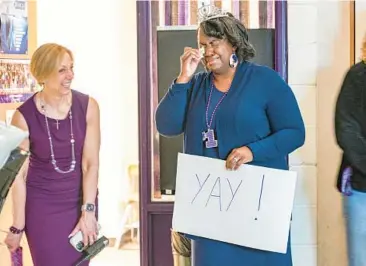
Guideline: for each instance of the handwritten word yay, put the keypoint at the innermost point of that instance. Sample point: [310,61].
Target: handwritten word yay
[219,189]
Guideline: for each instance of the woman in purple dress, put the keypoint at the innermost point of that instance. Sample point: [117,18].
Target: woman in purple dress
[55,194]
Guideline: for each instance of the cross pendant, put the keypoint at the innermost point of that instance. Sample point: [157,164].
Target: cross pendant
[209,138]
[57,124]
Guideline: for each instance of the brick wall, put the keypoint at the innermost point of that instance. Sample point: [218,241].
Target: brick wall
[319,55]
[302,64]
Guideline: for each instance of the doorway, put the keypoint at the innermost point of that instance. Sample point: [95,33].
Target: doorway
[157,192]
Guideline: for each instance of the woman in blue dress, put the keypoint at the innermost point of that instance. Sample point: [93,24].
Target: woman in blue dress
[236,111]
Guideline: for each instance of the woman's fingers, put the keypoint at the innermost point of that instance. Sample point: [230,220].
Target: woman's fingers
[190,53]
[85,238]
[239,163]
[232,160]
[190,50]
[236,159]
[91,239]
[12,245]
[76,229]
[89,234]
[12,242]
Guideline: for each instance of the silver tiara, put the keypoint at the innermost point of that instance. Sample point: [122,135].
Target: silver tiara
[207,12]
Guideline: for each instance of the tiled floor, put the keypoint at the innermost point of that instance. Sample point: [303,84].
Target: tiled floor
[113,257]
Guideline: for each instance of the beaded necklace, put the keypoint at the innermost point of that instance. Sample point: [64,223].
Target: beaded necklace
[72,141]
[209,135]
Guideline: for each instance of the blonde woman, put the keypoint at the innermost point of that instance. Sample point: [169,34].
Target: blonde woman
[55,197]
[350,129]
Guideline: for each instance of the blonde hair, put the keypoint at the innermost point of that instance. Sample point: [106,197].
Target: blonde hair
[46,59]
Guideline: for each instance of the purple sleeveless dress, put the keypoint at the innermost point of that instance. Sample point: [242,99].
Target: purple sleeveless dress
[53,200]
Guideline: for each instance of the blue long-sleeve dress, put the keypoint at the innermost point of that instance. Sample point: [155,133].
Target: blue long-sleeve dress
[260,112]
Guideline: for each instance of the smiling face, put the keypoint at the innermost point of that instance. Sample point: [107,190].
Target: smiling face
[52,66]
[60,80]
[216,52]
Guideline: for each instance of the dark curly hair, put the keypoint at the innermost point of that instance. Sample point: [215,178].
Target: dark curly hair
[234,31]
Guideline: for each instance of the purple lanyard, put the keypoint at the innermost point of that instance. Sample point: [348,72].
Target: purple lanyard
[209,135]
[208,124]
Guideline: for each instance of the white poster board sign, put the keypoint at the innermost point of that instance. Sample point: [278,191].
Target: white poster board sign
[250,207]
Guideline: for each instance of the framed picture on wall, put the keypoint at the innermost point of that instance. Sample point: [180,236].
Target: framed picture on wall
[17,44]
[16,82]
[17,29]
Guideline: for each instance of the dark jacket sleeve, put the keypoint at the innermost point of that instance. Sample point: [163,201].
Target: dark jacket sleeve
[350,120]
[170,114]
[288,130]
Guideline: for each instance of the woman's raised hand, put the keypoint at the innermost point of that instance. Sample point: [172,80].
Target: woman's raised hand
[188,64]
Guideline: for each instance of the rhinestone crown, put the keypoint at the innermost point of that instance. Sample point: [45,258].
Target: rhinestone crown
[207,12]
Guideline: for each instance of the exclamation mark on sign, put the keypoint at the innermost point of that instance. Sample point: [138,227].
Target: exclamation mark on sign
[260,197]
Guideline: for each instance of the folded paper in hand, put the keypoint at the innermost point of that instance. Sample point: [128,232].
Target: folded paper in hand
[17,257]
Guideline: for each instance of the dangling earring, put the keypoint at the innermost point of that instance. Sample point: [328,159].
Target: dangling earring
[40,86]
[233,60]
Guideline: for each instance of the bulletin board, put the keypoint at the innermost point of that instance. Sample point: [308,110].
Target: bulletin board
[18,41]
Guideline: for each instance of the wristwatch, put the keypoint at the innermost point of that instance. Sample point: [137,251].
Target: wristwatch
[88,207]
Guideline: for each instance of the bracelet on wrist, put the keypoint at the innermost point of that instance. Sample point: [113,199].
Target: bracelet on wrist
[15,230]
